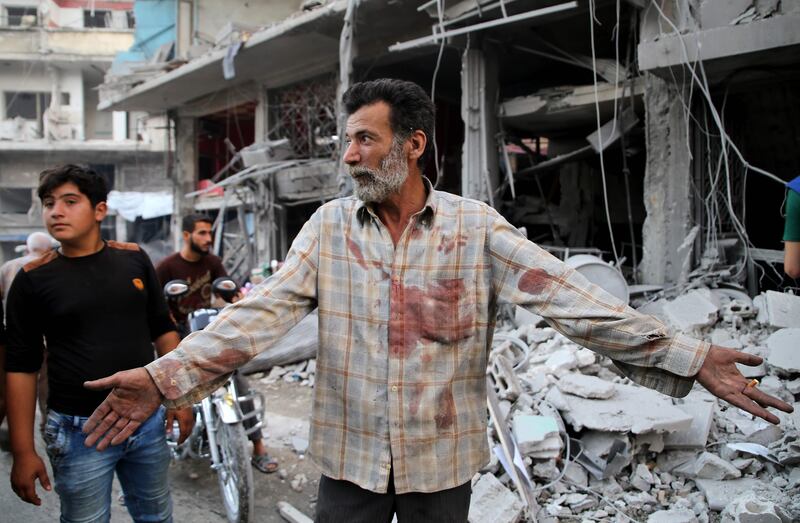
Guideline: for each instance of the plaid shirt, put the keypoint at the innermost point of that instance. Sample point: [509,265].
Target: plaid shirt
[404,334]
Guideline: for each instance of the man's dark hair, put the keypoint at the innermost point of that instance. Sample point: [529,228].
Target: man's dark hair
[411,107]
[187,224]
[89,183]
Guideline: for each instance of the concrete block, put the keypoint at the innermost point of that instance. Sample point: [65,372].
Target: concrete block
[642,478]
[709,466]
[783,309]
[720,493]
[783,350]
[576,474]
[562,361]
[693,310]
[696,435]
[759,370]
[585,386]
[752,508]
[678,515]
[492,501]
[624,412]
[504,378]
[525,317]
[531,431]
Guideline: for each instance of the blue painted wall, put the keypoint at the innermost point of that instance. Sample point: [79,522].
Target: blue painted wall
[155,26]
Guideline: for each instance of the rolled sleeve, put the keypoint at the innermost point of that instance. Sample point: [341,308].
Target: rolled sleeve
[640,346]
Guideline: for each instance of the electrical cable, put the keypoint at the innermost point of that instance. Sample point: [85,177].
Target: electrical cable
[592,19]
[440,13]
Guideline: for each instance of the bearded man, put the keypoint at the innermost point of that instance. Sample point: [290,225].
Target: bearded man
[407,280]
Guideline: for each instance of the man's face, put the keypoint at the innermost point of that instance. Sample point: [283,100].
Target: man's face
[200,239]
[69,215]
[375,158]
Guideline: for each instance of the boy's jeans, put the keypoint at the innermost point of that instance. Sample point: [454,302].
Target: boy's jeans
[83,476]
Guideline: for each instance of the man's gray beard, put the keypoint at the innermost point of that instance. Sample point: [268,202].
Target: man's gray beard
[376,185]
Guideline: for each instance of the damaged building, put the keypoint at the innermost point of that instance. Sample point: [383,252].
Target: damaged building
[53,58]
[651,138]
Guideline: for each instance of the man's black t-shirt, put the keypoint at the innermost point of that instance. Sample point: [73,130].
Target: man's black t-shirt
[98,315]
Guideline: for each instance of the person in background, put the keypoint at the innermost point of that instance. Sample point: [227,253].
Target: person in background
[195,264]
[37,244]
[791,231]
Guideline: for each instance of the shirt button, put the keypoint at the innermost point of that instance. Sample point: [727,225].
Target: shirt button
[394,388]
[388,466]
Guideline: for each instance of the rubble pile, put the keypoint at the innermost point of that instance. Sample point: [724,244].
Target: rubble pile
[590,445]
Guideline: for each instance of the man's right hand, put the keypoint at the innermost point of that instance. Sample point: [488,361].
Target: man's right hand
[26,469]
[133,398]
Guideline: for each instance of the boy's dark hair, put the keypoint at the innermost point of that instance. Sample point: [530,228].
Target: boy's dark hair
[187,224]
[411,107]
[89,183]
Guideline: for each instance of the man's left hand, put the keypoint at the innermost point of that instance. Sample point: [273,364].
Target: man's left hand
[185,418]
[722,378]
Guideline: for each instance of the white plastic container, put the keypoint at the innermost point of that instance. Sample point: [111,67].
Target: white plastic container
[601,274]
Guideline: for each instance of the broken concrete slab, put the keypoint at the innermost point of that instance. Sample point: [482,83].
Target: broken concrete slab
[492,501]
[623,412]
[783,309]
[759,370]
[642,478]
[585,386]
[680,515]
[752,508]
[693,310]
[783,350]
[562,361]
[291,514]
[720,493]
[532,431]
[709,466]
[696,435]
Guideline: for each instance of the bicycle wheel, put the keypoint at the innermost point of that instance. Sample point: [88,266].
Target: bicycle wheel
[235,475]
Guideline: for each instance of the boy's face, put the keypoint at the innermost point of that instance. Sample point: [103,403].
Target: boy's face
[69,215]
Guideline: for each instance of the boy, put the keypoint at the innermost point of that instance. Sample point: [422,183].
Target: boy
[98,306]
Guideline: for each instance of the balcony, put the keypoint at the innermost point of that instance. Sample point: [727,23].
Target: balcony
[63,45]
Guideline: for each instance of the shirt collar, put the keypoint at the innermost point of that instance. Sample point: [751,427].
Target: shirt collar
[365,211]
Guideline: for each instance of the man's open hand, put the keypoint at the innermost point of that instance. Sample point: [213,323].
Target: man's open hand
[721,377]
[133,398]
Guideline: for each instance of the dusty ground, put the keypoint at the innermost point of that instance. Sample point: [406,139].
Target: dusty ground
[195,491]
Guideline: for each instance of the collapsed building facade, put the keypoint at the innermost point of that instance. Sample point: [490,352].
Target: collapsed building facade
[521,89]
[53,56]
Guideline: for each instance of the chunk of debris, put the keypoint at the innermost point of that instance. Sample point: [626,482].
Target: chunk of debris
[679,515]
[492,501]
[749,507]
[701,408]
[783,351]
[536,433]
[783,309]
[642,478]
[622,413]
[693,310]
[709,466]
[720,493]
[585,386]
[291,514]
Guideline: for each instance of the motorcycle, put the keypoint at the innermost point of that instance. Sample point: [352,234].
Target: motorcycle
[219,433]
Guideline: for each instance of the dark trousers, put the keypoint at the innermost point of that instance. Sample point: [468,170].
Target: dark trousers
[340,501]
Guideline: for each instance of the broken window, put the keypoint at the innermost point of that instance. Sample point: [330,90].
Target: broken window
[96,18]
[305,113]
[26,105]
[15,200]
[20,16]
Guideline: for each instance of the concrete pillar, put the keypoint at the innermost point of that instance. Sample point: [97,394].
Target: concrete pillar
[479,165]
[667,182]
[185,180]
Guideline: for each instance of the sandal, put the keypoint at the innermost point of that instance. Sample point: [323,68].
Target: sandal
[263,463]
